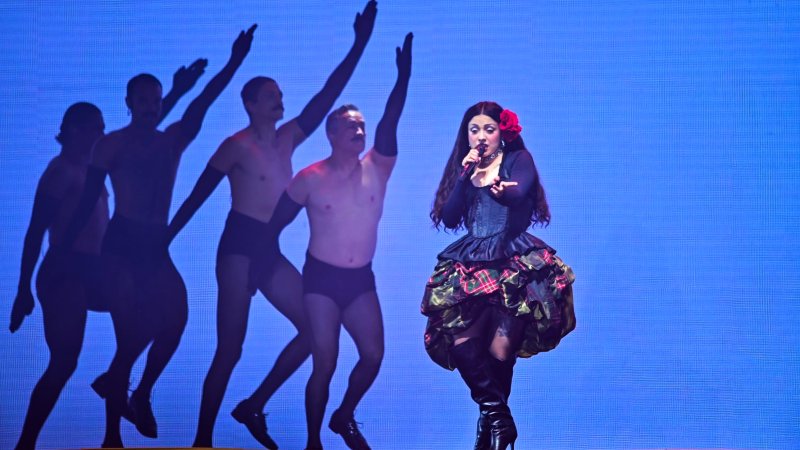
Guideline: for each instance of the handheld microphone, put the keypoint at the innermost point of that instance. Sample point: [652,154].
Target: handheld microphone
[469,168]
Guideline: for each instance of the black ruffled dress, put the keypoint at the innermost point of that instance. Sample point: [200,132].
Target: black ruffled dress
[497,264]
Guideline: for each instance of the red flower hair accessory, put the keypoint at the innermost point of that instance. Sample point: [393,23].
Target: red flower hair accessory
[509,125]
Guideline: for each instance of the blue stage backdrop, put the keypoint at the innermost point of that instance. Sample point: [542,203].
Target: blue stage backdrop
[666,135]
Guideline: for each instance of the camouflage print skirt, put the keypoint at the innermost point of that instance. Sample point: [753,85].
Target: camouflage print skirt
[535,286]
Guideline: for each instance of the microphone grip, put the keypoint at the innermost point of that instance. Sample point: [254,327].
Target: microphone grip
[467,171]
[469,168]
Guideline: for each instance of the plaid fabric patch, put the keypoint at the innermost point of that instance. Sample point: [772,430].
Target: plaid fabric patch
[535,287]
[480,281]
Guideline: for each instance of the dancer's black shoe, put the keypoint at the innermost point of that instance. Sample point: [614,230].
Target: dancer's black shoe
[142,412]
[117,401]
[256,423]
[348,429]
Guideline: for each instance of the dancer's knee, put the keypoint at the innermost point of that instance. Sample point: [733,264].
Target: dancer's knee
[227,355]
[324,366]
[63,366]
[303,340]
[372,356]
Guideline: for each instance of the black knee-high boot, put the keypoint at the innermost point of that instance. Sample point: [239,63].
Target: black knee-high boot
[483,432]
[503,372]
[472,361]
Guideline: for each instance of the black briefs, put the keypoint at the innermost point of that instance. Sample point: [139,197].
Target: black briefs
[139,243]
[342,285]
[244,235]
[85,268]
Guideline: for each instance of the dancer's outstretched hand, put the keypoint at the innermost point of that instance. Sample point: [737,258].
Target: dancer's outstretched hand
[365,21]
[185,78]
[404,57]
[241,46]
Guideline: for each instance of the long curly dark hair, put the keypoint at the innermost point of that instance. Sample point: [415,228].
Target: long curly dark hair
[452,170]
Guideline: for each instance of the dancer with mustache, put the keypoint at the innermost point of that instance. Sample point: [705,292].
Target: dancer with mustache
[258,164]
[343,196]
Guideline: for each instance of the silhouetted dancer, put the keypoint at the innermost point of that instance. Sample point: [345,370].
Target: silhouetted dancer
[148,298]
[69,282]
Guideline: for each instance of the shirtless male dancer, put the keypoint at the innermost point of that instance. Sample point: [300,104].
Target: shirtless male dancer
[69,281]
[257,162]
[147,297]
[343,196]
